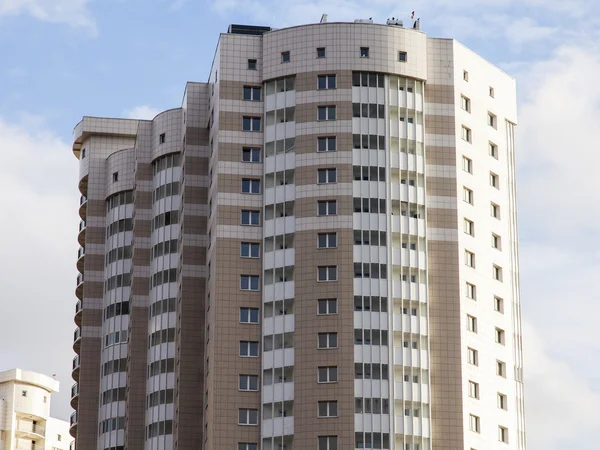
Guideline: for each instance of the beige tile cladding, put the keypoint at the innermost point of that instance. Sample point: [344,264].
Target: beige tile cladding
[223,350]
[307,112]
[307,392]
[440,124]
[234,90]
[442,156]
[307,143]
[439,93]
[233,152]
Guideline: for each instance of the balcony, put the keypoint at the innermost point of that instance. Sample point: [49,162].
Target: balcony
[80,259]
[78,313]
[83,185]
[76,366]
[79,288]
[73,425]
[81,235]
[74,395]
[77,340]
[27,429]
[83,207]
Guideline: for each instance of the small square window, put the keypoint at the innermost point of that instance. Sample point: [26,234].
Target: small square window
[468,195]
[115,177]
[162,138]
[472,323]
[466,134]
[469,227]
[492,120]
[473,356]
[469,258]
[285,57]
[402,56]
[24,393]
[465,103]
[467,165]
[471,291]
[320,52]
[473,389]
[465,75]
[474,424]
[364,52]
[252,64]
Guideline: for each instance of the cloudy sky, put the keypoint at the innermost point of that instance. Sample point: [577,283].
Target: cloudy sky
[62,59]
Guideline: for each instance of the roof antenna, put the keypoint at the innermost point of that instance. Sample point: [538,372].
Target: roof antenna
[324,18]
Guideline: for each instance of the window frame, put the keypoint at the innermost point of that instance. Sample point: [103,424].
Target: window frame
[328,81]
[253,121]
[327,239]
[251,213]
[327,302]
[474,423]
[252,151]
[364,52]
[326,140]
[328,371]
[250,310]
[466,134]
[465,103]
[250,279]
[252,64]
[471,323]
[469,227]
[328,268]
[248,411]
[248,383]
[467,165]
[329,405]
[323,50]
[473,356]
[473,389]
[468,195]
[249,346]
[328,109]
[328,335]
[402,56]
[252,183]
[286,57]
[327,171]
[252,90]
[328,205]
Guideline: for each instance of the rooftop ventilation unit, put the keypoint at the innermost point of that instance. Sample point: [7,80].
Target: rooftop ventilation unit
[252,30]
[395,22]
[369,20]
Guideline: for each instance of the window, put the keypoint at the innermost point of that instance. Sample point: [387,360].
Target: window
[496,241]
[499,305]
[248,416]
[249,282]
[115,177]
[492,120]
[250,186]
[468,195]
[249,249]
[500,336]
[465,75]
[466,134]
[326,208]
[23,393]
[328,443]
[251,155]
[251,93]
[325,176]
[249,349]
[473,389]
[492,94]
[248,383]
[472,323]
[467,165]
[474,424]
[493,149]
[250,123]
[250,217]
[327,273]
[326,306]
[497,272]
[469,227]
[326,82]
[326,144]
[320,52]
[328,409]
[402,56]
[465,103]
[251,64]
[495,210]
[503,434]
[83,153]
[494,180]
[473,356]
[285,57]
[327,340]
[327,374]
[326,113]
[248,315]
[471,291]
[247,446]
[327,240]
[502,401]
[501,369]
[364,52]
[469,258]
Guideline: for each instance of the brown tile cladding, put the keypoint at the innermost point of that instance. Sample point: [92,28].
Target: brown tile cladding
[442,156]
[136,372]
[307,143]
[307,207]
[439,93]
[307,81]
[307,112]
[307,175]
[89,375]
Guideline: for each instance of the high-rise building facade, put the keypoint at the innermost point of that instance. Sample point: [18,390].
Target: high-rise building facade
[317,250]
[25,422]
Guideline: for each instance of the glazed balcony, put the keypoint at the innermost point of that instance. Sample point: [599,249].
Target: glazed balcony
[77,340]
[78,313]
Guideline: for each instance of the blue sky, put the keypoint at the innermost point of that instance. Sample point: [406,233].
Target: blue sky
[62,59]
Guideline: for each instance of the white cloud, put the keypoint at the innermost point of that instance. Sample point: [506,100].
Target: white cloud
[71,12]
[143,112]
[38,237]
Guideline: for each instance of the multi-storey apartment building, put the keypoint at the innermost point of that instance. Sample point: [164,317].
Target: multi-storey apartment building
[25,422]
[317,250]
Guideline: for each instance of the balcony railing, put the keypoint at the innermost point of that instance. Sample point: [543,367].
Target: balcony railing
[73,420]
[82,226]
[74,390]
[79,279]
[78,306]
[81,250]
[77,334]
[30,428]
[82,200]
[76,362]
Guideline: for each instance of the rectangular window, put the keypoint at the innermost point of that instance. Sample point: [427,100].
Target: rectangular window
[326,82]
[492,120]
[471,291]
[325,176]
[328,443]
[249,282]
[492,93]
[250,123]
[469,227]
[495,210]
[251,155]
[326,144]
[503,434]
[472,323]
[328,374]
[250,250]
[248,416]
[472,356]
[493,149]
[326,113]
[326,306]
[466,134]
[494,180]
[248,315]
[328,409]
[468,195]
[320,52]
[465,103]
[500,336]
[248,383]
[327,273]
[496,241]
[497,272]
[474,424]
[364,52]
[499,305]
[327,207]
[465,75]
[250,186]
[115,177]
[473,389]
[251,64]
[327,240]
[251,93]
[402,57]
[250,217]
[469,258]
[249,349]
[162,138]
[247,446]
[502,401]
[327,340]
[501,369]
[285,57]
[467,165]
